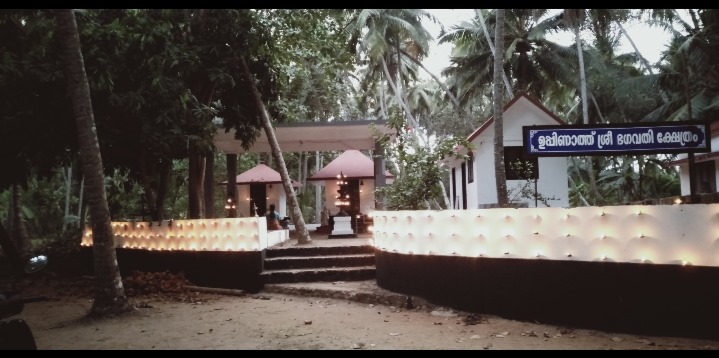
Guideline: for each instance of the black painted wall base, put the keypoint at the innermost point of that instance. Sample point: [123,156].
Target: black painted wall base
[664,300]
[222,269]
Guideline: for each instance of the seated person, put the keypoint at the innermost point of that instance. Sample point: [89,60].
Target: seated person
[273,219]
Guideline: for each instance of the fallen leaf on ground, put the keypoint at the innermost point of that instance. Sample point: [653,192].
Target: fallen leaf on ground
[394,334]
[475,337]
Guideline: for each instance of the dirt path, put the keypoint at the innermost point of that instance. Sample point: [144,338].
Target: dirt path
[273,321]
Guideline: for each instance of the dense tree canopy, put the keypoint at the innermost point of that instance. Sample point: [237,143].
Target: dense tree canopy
[162,80]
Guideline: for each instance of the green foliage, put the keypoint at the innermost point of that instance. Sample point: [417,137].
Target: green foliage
[417,172]
[38,130]
[312,62]
[64,252]
[306,201]
[40,206]
[526,186]
[533,64]
[124,196]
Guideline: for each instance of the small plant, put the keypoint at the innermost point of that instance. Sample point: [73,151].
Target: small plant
[527,188]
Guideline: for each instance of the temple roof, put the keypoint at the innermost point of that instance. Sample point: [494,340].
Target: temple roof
[262,174]
[352,163]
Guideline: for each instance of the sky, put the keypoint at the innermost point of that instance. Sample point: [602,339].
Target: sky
[649,41]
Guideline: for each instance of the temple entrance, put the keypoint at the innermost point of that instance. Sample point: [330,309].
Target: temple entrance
[258,199]
[354,189]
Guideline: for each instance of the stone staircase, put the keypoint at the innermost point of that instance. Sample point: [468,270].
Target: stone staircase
[319,263]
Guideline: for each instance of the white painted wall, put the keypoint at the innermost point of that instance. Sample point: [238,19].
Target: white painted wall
[682,234]
[228,234]
[275,195]
[552,170]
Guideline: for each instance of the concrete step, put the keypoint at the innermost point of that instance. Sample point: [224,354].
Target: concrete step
[356,273]
[318,251]
[297,262]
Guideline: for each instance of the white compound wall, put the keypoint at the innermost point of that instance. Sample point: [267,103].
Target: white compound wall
[228,234]
[660,234]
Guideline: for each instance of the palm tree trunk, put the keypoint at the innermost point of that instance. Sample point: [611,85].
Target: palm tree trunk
[398,96]
[585,110]
[412,121]
[582,77]
[383,110]
[209,186]
[19,232]
[296,213]
[500,176]
[507,86]
[165,168]
[643,60]
[109,293]
[68,190]
[148,198]
[579,194]
[596,105]
[9,220]
[303,177]
[232,198]
[79,205]
[195,185]
[299,167]
[9,249]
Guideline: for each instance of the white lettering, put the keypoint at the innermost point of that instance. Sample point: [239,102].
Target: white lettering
[605,139]
[677,137]
[636,138]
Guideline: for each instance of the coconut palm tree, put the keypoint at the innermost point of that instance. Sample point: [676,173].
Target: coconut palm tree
[499,174]
[295,212]
[400,29]
[109,294]
[690,59]
[384,37]
[534,64]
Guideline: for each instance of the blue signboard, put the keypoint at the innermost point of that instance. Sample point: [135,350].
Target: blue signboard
[617,139]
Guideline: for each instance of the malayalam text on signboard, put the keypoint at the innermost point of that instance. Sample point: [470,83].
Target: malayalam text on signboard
[617,139]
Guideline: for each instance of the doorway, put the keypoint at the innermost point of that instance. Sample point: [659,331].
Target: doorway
[705,179]
[258,199]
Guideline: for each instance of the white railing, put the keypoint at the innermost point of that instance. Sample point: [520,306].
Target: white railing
[685,234]
[229,234]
